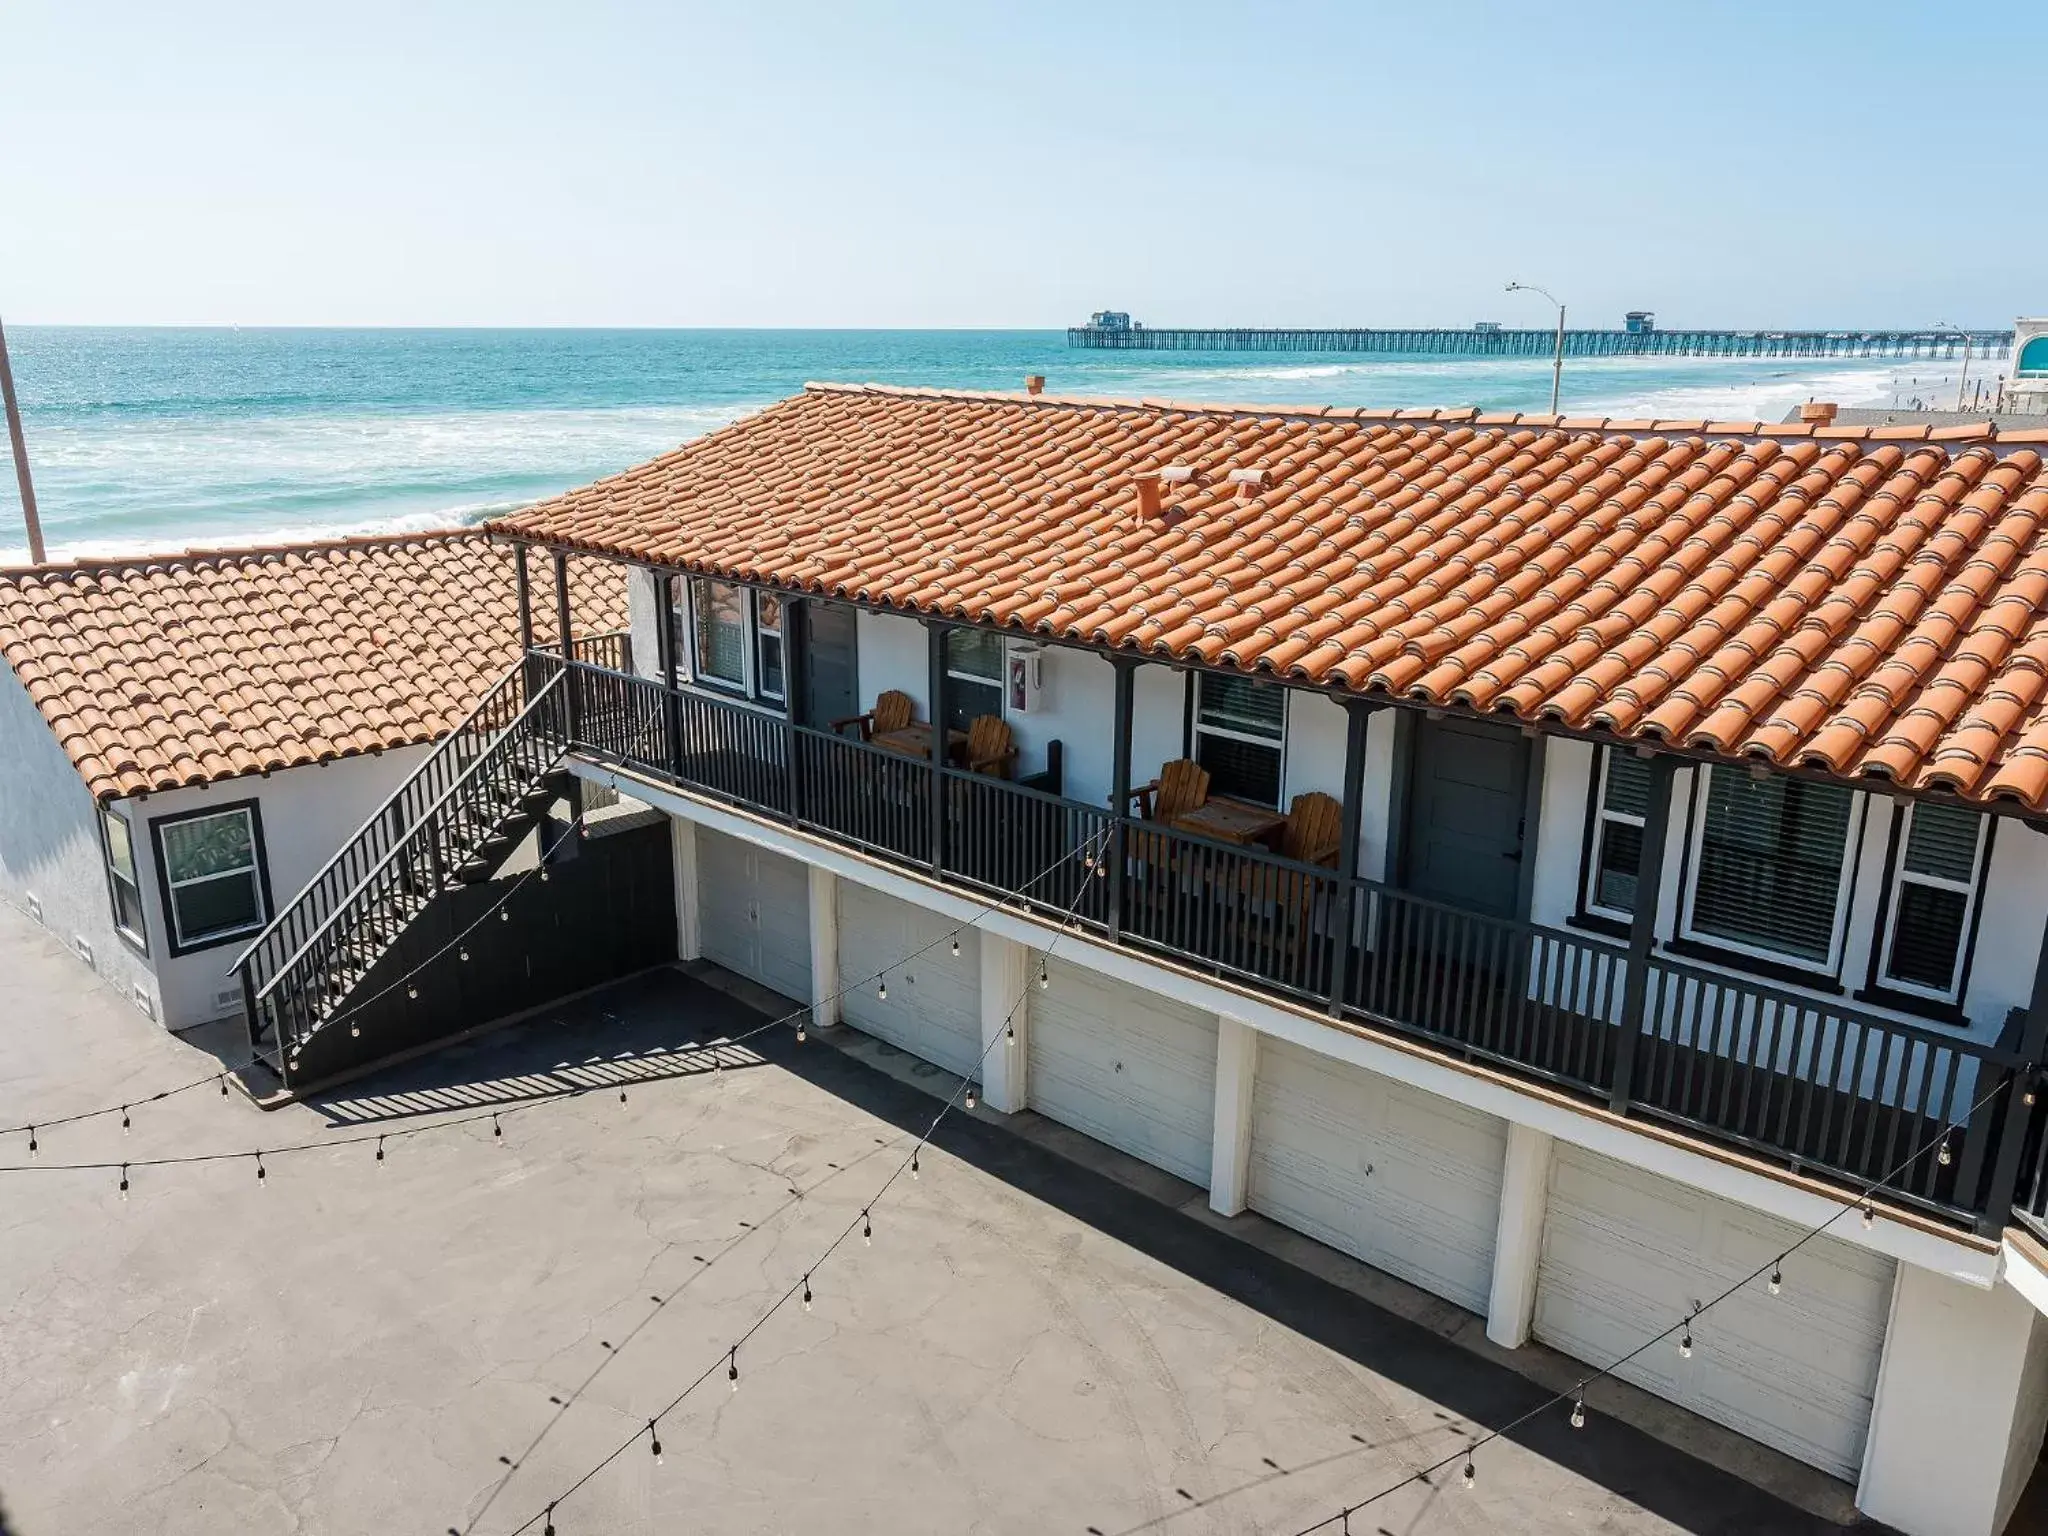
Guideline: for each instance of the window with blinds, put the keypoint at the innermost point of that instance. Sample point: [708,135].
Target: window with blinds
[1770,866]
[720,610]
[1240,734]
[1620,804]
[974,676]
[1933,900]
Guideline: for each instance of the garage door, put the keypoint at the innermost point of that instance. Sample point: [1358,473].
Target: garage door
[1406,1181]
[1129,1068]
[1625,1253]
[933,1009]
[754,913]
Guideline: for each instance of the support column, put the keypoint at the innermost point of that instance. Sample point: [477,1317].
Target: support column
[1518,1240]
[824,947]
[523,582]
[1126,668]
[1642,933]
[1957,1421]
[1005,970]
[1230,1154]
[682,847]
[936,655]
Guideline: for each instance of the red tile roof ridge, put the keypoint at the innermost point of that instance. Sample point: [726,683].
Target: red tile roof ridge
[192,555]
[1988,432]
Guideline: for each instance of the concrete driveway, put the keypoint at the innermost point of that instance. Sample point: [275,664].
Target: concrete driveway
[1032,1344]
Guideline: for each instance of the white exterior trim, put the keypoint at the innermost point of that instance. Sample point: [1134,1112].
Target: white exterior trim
[1518,1244]
[824,901]
[1230,1150]
[1805,1203]
[1005,1012]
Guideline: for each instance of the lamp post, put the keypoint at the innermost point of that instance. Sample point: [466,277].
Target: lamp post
[1557,362]
[21,477]
[1963,381]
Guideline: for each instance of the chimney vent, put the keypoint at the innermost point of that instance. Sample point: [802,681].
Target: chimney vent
[1818,413]
[1034,383]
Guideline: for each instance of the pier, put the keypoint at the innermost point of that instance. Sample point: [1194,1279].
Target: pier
[1446,341]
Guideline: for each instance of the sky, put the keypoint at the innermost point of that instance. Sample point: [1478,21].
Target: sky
[1016,165]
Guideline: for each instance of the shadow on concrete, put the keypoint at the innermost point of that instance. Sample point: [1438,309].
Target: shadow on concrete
[653,1027]
[636,1030]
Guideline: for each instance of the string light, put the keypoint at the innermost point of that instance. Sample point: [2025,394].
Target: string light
[124,1119]
[732,1368]
[355,1030]
[807,1290]
[1044,976]
[1944,1156]
[882,990]
[31,1141]
[800,1035]
[1685,1343]
[1777,1277]
[380,1149]
[867,1228]
[124,1181]
[654,1442]
[1869,1215]
[1010,1029]
[956,944]
[497,1130]
[1471,1472]
[261,1174]
[549,1528]
[223,1085]
[913,1164]
[1579,1411]
[970,1095]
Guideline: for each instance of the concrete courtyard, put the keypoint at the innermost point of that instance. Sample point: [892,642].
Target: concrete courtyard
[1042,1338]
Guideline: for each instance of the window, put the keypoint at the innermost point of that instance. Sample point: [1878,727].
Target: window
[1621,802]
[1240,731]
[1933,899]
[768,645]
[721,634]
[211,869]
[122,885]
[1770,866]
[733,636]
[974,676]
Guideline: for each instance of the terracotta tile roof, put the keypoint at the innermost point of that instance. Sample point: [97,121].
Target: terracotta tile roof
[169,671]
[1838,598]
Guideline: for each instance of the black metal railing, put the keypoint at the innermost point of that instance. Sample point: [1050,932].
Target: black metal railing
[1817,1086]
[289,994]
[389,825]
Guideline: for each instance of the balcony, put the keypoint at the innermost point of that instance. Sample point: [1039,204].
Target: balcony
[1806,1081]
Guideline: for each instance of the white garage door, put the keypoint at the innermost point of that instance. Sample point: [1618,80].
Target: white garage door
[1406,1181]
[1124,1066]
[754,913]
[933,1009]
[1626,1253]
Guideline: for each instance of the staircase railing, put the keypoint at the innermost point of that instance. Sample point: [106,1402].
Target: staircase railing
[404,855]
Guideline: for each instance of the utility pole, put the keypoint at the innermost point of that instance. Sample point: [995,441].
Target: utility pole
[1557,361]
[28,489]
[1962,382]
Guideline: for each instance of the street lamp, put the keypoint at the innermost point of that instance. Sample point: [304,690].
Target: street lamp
[1962,382]
[1557,362]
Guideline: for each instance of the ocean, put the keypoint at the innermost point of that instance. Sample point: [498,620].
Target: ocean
[148,439]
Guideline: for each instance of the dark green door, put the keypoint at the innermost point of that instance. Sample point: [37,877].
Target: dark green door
[1467,796]
[831,665]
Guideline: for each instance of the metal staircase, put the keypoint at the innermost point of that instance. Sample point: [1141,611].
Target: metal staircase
[487,784]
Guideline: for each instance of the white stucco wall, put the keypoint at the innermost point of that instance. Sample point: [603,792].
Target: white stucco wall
[306,813]
[50,850]
[641,614]
[2008,938]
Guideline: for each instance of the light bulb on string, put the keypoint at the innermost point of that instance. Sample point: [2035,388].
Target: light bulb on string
[261,1174]
[654,1442]
[504,914]
[807,1291]
[380,1149]
[223,1085]
[1471,1472]
[956,943]
[465,954]
[913,1163]
[124,1181]
[801,1034]
[1869,1215]
[31,1141]
[1943,1155]
[1777,1277]
[970,1095]
[411,990]
[732,1368]
[1685,1345]
[355,1030]
[1010,1029]
[1044,976]
[882,990]
[1579,1412]
[622,1093]
[867,1228]
[549,1528]
[124,1119]
[497,1130]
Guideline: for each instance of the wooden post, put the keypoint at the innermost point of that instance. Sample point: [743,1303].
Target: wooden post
[1126,668]
[568,643]
[796,689]
[34,524]
[665,664]
[524,581]
[936,637]
[1358,716]
[1642,931]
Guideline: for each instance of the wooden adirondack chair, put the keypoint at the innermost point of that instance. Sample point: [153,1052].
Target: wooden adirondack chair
[892,712]
[991,747]
[1182,786]
[1313,835]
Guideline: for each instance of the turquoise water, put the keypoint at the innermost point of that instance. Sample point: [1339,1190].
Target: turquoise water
[147,439]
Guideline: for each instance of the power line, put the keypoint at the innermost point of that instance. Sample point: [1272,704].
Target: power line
[728,1356]
[1576,1394]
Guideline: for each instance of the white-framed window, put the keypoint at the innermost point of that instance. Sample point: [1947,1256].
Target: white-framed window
[1932,901]
[1241,735]
[210,864]
[729,637]
[1621,802]
[974,676]
[124,886]
[1770,866]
